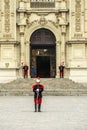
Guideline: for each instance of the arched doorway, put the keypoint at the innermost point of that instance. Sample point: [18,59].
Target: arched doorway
[43,54]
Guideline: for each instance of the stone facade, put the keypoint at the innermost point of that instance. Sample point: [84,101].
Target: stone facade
[66,19]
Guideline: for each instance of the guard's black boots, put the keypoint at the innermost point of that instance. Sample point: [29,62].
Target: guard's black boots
[35,107]
[39,108]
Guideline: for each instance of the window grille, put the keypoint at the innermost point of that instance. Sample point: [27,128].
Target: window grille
[42,3]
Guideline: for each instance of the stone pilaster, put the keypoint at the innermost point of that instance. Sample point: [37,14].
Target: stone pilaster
[0,17]
[7,15]
[28,57]
[78,15]
[22,48]
[63,35]
[57,58]
[21,5]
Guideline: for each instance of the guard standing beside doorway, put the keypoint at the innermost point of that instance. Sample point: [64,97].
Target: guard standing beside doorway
[61,69]
[38,89]
[25,71]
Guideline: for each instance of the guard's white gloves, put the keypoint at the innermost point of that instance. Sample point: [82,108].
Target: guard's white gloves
[37,90]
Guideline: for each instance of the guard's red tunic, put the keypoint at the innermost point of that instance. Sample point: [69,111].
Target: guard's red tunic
[25,68]
[38,95]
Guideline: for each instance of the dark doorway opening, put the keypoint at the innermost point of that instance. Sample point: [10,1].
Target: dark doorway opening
[43,66]
[43,54]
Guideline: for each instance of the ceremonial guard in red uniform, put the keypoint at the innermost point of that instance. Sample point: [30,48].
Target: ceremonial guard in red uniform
[61,68]
[38,89]
[25,69]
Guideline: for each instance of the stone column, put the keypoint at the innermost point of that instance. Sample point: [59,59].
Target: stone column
[22,49]
[28,57]
[63,4]
[63,34]
[57,58]
[21,5]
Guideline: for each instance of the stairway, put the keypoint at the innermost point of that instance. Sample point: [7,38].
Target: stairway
[53,86]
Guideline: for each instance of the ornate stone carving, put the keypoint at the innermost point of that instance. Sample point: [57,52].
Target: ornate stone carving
[31,23]
[7,15]
[78,35]
[28,23]
[78,15]
[0,16]
[42,21]
[54,23]
[7,36]
[61,20]
[7,65]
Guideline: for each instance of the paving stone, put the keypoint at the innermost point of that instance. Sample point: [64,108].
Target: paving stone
[58,113]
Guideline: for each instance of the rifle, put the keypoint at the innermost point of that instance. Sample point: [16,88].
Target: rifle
[37,97]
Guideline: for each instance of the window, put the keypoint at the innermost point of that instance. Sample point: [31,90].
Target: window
[42,3]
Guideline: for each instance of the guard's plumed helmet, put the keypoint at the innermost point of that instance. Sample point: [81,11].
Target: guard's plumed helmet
[38,80]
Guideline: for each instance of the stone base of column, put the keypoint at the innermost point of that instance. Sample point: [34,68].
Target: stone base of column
[29,76]
[57,76]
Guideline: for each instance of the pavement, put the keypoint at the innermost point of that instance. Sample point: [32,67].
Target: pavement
[58,113]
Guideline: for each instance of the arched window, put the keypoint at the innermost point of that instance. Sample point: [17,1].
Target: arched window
[43,37]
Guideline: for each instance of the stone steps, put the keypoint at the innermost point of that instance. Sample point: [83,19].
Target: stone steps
[58,92]
[56,87]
